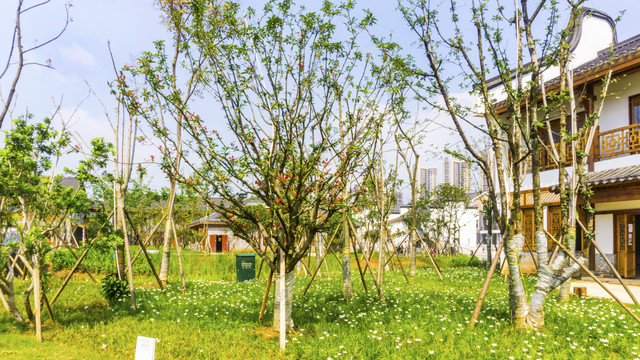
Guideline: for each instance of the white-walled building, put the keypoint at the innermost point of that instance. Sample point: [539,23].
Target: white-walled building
[614,160]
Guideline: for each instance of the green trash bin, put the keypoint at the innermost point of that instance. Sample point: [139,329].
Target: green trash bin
[245,267]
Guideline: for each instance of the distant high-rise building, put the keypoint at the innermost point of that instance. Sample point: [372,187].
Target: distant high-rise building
[457,173]
[427,179]
[484,184]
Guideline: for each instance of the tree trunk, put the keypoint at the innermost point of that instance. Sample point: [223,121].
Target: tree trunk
[347,288]
[166,252]
[10,300]
[318,252]
[6,289]
[381,254]
[119,191]
[517,296]
[288,290]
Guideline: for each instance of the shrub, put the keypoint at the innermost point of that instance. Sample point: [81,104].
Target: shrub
[113,288]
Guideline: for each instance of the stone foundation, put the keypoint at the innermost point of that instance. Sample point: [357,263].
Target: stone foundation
[601,266]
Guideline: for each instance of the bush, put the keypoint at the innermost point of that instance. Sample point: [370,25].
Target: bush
[98,261]
[114,289]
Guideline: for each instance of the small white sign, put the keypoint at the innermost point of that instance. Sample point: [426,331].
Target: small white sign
[145,348]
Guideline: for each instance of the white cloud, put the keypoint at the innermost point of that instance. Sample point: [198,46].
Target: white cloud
[75,53]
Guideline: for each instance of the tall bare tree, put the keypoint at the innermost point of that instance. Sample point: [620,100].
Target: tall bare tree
[16,62]
[512,131]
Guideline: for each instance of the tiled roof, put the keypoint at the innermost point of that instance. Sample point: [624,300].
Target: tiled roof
[214,218]
[628,173]
[71,182]
[623,51]
[608,57]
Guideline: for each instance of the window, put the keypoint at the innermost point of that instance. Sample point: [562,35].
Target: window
[634,109]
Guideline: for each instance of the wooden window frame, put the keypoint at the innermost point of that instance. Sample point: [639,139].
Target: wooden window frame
[633,98]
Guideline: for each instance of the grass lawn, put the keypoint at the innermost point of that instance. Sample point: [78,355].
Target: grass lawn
[217,319]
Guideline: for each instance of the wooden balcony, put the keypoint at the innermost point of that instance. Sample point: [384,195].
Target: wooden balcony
[608,144]
[619,142]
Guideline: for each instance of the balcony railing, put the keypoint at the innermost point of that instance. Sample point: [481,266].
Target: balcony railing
[619,142]
[608,144]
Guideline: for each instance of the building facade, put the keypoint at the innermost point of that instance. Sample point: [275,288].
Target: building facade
[457,173]
[614,158]
[427,179]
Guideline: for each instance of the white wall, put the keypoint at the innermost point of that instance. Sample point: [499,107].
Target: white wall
[615,112]
[596,35]
[604,232]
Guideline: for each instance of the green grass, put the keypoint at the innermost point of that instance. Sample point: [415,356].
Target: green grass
[217,318]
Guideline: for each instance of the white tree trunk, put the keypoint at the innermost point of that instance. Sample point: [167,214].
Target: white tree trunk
[278,307]
[347,287]
[166,252]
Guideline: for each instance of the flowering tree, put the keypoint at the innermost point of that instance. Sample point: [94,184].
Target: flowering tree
[299,107]
[35,206]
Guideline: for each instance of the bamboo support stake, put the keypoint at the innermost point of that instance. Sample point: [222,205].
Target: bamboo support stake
[326,268]
[566,251]
[73,270]
[260,268]
[304,292]
[153,268]
[266,296]
[617,274]
[433,261]
[360,271]
[14,263]
[4,301]
[143,249]
[474,253]
[485,287]
[83,267]
[149,237]
[395,253]
[304,266]
[355,254]
[334,255]
[47,305]
[375,281]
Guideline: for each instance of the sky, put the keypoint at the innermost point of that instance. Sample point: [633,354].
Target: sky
[80,58]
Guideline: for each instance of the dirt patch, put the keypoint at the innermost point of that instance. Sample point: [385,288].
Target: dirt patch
[267,332]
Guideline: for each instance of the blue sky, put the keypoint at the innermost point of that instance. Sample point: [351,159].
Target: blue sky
[131,26]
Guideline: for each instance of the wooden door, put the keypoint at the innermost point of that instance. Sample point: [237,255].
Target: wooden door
[528,230]
[554,224]
[212,244]
[625,245]
[225,243]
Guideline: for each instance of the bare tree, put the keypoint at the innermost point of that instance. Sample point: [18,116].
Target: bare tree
[512,131]
[16,61]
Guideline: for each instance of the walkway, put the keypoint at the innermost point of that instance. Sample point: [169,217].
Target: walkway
[595,290]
